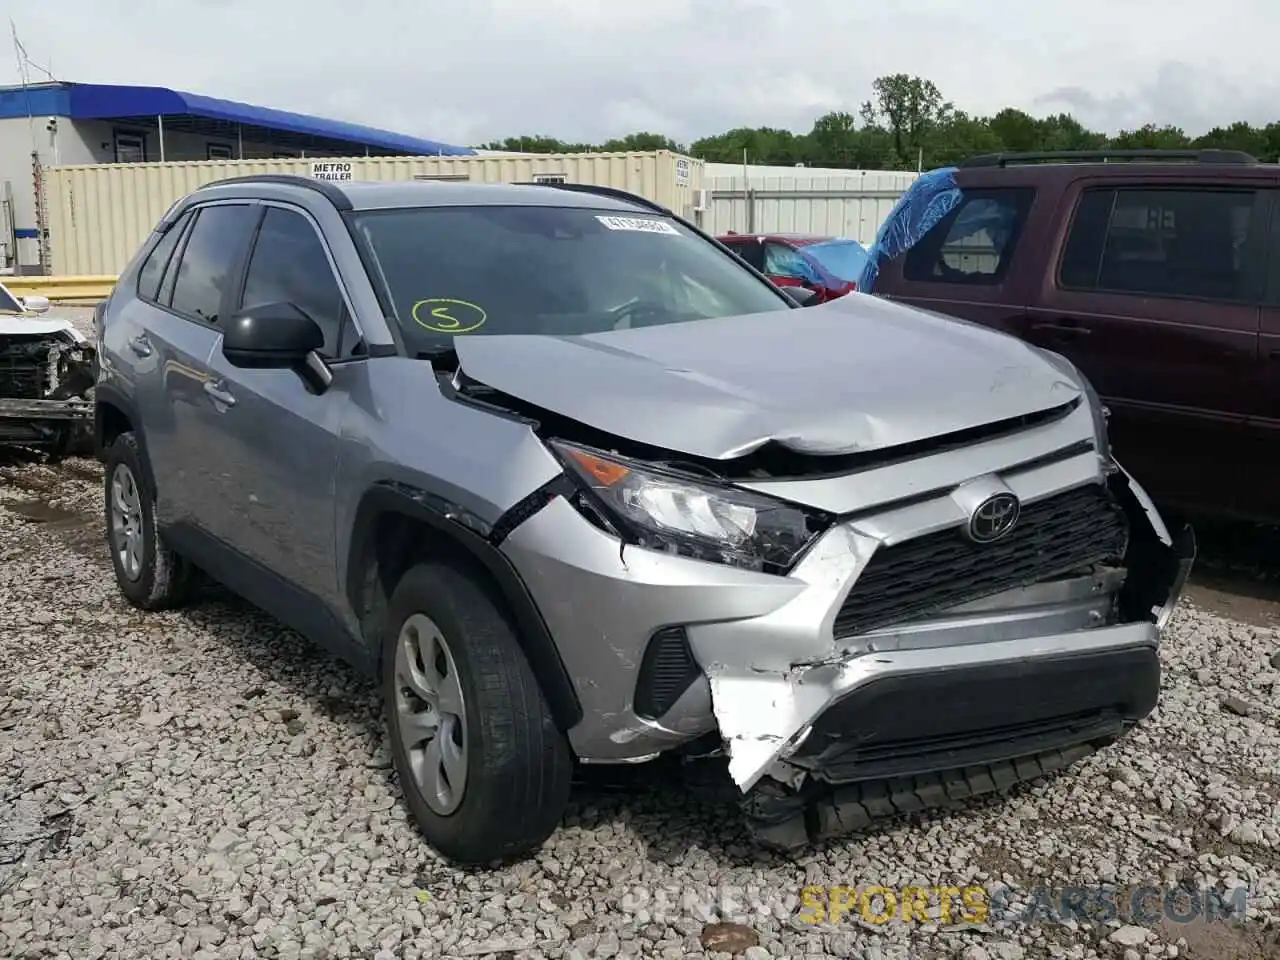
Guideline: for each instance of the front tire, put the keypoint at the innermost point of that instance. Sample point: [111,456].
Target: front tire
[484,770]
[149,574]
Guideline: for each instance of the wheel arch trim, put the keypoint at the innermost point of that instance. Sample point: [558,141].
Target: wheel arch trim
[473,539]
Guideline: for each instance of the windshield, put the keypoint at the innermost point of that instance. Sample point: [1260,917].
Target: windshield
[474,270]
[844,258]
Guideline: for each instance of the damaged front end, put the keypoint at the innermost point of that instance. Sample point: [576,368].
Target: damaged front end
[900,633]
[968,595]
[1050,653]
[47,376]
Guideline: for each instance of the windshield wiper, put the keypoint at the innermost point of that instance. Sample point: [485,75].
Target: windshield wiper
[436,353]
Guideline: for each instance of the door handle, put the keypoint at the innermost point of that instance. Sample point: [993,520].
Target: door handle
[1067,329]
[224,397]
[141,346]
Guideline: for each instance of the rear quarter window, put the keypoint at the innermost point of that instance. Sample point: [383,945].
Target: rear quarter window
[975,242]
[1162,242]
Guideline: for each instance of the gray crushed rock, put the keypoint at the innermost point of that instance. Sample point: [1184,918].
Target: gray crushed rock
[204,785]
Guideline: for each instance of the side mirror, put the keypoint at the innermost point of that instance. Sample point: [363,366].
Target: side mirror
[803,296]
[35,304]
[272,336]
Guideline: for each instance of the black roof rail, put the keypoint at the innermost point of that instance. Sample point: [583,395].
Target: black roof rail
[613,192]
[335,196]
[1110,156]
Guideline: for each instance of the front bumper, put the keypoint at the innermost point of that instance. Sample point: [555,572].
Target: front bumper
[42,421]
[792,702]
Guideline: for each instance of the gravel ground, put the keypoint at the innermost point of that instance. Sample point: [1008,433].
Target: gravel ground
[203,784]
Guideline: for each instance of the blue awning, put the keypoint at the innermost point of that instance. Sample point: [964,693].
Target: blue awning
[91,101]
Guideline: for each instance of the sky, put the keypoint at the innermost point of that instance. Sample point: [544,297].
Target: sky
[468,71]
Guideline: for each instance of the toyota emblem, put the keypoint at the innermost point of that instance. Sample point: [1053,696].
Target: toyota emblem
[994,518]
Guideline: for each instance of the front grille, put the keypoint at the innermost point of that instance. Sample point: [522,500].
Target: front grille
[24,369]
[923,576]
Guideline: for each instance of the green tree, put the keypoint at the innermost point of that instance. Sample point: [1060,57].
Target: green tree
[911,109]
[641,143]
[1017,131]
[907,121]
[1151,137]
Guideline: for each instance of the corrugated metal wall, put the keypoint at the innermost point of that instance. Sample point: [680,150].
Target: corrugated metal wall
[100,214]
[849,203]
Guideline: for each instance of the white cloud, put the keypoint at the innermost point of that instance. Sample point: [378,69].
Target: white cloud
[472,70]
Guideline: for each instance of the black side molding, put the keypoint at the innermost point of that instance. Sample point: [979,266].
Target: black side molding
[106,399]
[472,537]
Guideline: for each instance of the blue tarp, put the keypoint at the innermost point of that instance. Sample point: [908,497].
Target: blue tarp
[928,200]
[845,258]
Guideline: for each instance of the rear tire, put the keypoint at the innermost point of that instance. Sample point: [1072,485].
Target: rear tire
[484,770]
[149,574]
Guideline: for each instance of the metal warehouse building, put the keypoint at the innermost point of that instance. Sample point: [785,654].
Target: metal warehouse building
[59,124]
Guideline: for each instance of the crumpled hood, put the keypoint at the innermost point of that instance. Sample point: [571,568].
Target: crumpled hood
[28,326]
[855,374]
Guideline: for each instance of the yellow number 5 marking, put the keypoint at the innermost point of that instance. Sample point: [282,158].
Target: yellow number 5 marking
[443,315]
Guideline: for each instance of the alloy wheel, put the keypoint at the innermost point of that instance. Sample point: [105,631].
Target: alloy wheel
[126,521]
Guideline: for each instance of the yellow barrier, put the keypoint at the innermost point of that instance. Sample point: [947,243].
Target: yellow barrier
[60,288]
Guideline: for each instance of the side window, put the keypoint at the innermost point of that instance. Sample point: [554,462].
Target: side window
[752,251]
[1162,243]
[975,242]
[210,259]
[780,261]
[289,264]
[153,268]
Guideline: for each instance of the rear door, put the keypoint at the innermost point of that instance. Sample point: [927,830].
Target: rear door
[1155,296]
[183,303]
[974,262]
[1266,421]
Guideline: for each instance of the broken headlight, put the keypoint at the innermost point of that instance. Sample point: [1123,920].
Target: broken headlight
[681,514]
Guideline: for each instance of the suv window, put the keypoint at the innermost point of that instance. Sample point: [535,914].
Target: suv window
[782,261]
[157,261]
[975,242]
[752,251]
[210,259]
[1159,242]
[289,264]
[563,271]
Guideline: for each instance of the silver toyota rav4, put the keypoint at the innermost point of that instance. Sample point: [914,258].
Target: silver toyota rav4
[577,485]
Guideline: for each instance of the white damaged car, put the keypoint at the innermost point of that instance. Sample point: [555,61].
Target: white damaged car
[47,373]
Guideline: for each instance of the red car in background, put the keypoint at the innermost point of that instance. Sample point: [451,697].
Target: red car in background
[830,266]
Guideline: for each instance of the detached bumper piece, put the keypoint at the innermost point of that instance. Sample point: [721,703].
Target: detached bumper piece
[904,744]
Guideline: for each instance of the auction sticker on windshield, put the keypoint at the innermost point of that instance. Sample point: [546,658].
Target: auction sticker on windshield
[639,225]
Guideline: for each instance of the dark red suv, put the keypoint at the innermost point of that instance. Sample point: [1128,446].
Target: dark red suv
[1156,273]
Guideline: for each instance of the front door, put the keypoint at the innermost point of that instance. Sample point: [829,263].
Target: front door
[278,440]
[786,268]
[1155,297]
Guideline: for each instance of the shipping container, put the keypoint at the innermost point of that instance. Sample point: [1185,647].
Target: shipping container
[840,203]
[99,214]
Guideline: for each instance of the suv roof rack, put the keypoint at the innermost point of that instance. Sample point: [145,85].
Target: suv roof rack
[613,192]
[335,196]
[1110,156]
